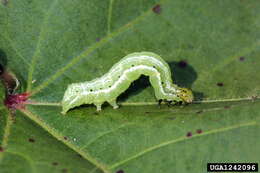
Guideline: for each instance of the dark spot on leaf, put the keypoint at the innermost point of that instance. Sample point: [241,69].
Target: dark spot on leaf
[189,134]
[31,140]
[182,64]
[220,84]
[54,163]
[65,137]
[120,171]
[1,149]
[160,102]
[226,107]
[1,69]
[147,112]
[133,65]
[157,9]
[172,118]
[79,155]
[91,90]
[241,58]
[64,170]
[153,66]
[169,103]
[199,131]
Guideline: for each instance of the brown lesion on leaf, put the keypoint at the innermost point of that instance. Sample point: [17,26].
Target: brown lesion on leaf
[199,131]
[189,134]
[241,58]
[220,84]
[55,163]
[157,9]
[31,140]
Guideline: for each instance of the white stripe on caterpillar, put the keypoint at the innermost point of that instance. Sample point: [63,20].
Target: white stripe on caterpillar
[118,79]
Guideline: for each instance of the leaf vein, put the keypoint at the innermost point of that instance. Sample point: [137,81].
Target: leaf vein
[60,137]
[25,158]
[104,134]
[7,129]
[38,45]
[109,18]
[91,49]
[14,48]
[181,139]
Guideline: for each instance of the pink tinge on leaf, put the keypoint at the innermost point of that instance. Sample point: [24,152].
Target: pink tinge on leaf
[199,131]
[189,134]
[16,101]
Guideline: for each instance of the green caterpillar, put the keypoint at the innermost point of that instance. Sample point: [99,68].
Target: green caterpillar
[118,79]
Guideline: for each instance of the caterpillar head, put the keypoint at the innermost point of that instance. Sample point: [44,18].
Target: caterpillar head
[186,95]
[72,97]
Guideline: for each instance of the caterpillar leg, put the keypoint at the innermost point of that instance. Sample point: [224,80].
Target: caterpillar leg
[113,104]
[169,103]
[98,105]
[160,92]
[160,102]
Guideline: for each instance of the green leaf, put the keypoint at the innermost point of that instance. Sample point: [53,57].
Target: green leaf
[212,47]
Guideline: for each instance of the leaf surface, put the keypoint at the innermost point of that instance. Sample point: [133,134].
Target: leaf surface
[212,47]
